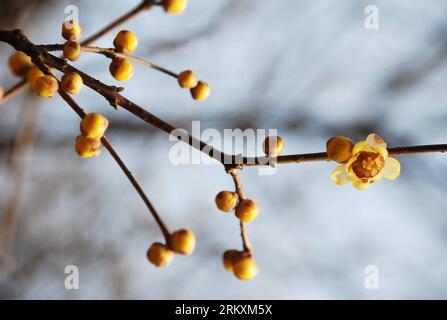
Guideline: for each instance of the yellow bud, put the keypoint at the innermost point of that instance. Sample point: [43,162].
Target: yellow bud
[183,241]
[339,149]
[174,6]
[226,200]
[121,69]
[245,268]
[273,146]
[72,50]
[159,255]
[94,125]
[71,82]
[32,75]
[87,147]
[201,91]
[71,30]
[19,63]
[230,257]
[187,79]
[125,42]
[247,210]
[46,86]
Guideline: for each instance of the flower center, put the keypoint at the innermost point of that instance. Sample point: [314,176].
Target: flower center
[368,164]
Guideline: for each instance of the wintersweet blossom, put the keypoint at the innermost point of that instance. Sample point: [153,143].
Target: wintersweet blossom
[369,163]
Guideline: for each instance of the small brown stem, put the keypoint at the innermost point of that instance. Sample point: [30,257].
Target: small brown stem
[13,91]
[322,156]
[136,185]
[111,53]
[240,191]
[20,42]
[122,165]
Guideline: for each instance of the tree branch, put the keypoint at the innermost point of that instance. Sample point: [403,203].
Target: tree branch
[111,53]
[111,94]
[240,191]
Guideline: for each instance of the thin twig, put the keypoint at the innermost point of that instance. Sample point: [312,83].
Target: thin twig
[111,53]
[240,191]
[110,93]
[144,5]
[123,167]
[322,156]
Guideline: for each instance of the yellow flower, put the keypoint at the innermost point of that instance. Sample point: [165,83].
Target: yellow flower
[369,163]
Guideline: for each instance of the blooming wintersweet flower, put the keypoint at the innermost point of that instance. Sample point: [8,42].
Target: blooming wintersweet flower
[369,163]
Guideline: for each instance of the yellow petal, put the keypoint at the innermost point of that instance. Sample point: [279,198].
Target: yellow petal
[375,140]
[361,146]
[383,151]
[350,162]
[339,175]
[359,185]
[392,169]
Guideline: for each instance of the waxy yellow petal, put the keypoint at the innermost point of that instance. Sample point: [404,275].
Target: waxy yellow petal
[340,176]
[360,185]
[392,169]
[375,140]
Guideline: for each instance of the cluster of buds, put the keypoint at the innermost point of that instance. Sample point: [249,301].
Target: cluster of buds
[200,90]
[240,263]
[93,128]
[246,210]
[181,242]
[125,42]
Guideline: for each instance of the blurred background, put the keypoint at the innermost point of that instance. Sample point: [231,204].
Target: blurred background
[307,68]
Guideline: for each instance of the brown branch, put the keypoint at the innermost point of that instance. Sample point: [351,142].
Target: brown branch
[322,156]
[76,108]
[81,113]
[144,5]
[240,191]
[111,93]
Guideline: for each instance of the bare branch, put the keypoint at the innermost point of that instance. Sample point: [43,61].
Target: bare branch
[111,93]
[111,53]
